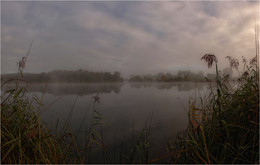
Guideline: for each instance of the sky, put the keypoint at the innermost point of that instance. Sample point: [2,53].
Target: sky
[129,37]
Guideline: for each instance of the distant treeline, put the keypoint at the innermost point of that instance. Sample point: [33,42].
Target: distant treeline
[68,76]
[167,77]
[78,76]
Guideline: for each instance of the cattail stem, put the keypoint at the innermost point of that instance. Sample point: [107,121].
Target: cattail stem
[219,95]
[257,51]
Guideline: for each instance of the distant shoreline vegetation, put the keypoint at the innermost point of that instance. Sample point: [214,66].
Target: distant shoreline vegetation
[61,76]
[180,76]
[83,76]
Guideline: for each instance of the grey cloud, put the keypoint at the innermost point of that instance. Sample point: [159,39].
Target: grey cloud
[131,37]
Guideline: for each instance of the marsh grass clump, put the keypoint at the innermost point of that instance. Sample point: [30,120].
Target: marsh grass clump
[225,128]
[24,137]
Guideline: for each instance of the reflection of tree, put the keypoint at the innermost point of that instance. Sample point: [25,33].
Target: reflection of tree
[141,85]
[190,86]
[185,86]
[165,85]
[181,86]
[78,89]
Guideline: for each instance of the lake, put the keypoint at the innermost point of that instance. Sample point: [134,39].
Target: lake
[123,108]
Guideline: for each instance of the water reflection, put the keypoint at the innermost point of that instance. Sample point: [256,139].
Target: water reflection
[181,86]
[77,89]
[122,107]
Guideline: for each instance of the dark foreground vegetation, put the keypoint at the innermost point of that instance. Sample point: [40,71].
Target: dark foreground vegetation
[24,138]
[224,128]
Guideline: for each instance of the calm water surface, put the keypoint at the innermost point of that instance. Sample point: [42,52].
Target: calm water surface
[124,107]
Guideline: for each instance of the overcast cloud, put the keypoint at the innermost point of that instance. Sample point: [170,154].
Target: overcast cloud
[130,37]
